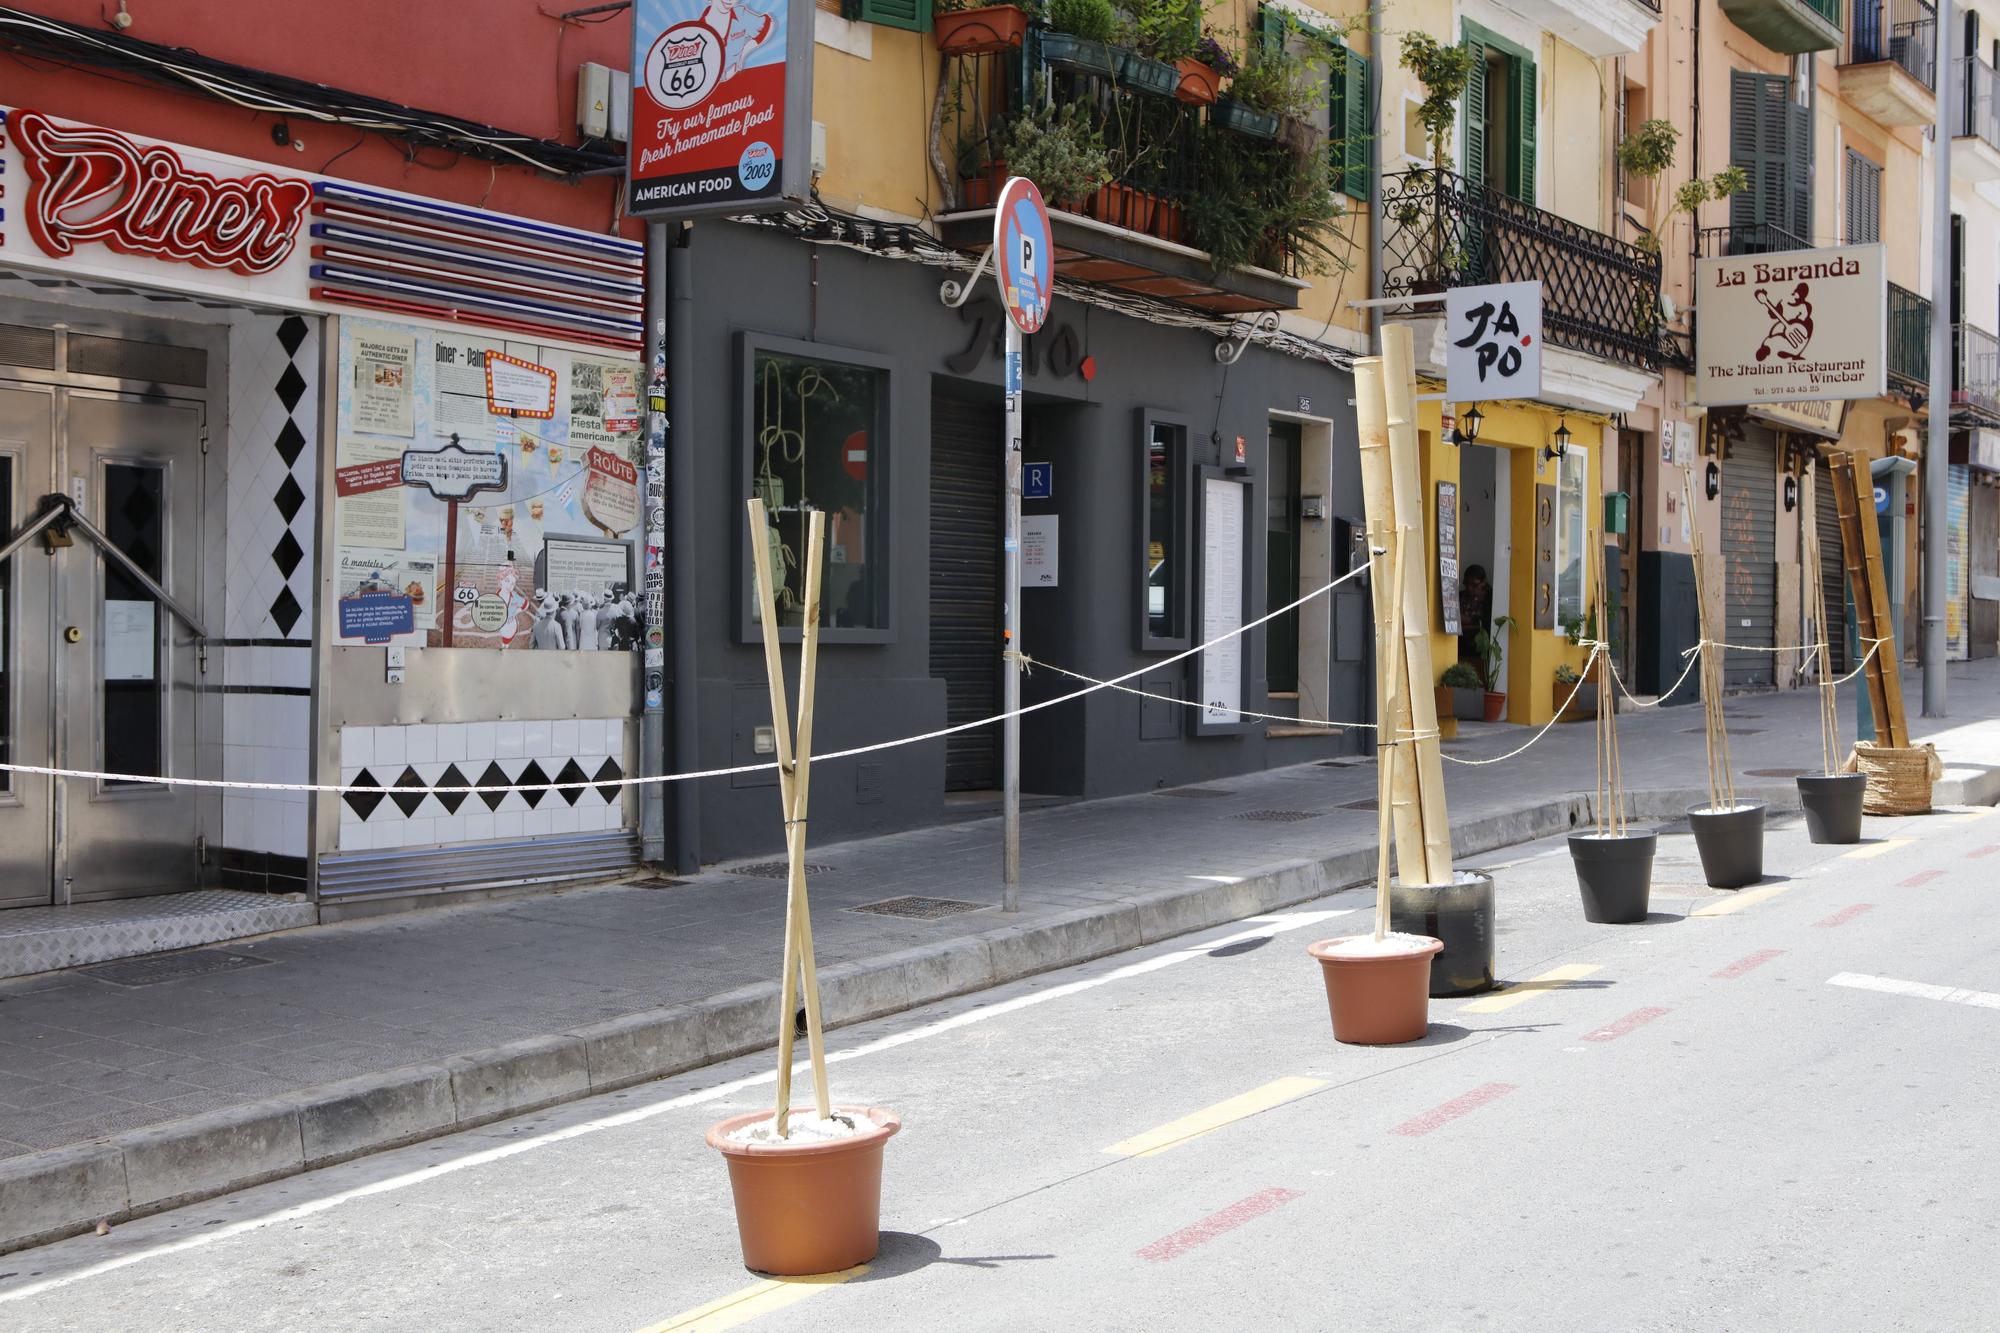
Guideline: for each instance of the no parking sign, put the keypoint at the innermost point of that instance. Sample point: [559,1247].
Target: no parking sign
[1023,253]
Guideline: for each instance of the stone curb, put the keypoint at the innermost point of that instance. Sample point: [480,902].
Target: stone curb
[46,1196]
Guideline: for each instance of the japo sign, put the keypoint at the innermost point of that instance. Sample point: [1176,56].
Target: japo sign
[721,105]
[1802,326]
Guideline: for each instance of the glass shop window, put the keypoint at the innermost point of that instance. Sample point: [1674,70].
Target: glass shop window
[817,443]
[1163,538]
[1571,535]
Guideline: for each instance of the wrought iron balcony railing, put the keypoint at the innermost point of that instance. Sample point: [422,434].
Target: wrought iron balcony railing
[1979,100]
[1909,338]
[1903,31]
[1975,375]
[1758,238]
[1600,295]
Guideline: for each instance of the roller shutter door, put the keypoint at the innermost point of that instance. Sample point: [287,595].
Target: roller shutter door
[965,582]
[1749,558]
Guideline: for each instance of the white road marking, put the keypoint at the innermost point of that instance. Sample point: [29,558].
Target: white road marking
[1923,990]
[1268,926]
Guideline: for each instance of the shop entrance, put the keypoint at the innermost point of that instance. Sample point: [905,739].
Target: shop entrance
[98,671]
[1483,546]
[1749,559]
[1281,543]
[966,460]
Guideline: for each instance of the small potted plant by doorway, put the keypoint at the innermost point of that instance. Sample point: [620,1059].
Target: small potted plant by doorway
[807,1187]
[1464,693]
[1575,697]
[1486,645]
[1728,833]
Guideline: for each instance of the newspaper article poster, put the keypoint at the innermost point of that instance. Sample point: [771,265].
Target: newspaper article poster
[385,383]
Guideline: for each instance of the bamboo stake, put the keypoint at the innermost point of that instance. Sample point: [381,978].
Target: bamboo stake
[792,781]
[1610,769]
[1390,746]
[1721,781]
[1829,720]
[1399,385]
[1378,491]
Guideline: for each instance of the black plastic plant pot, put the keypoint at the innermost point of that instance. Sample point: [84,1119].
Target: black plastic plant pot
[1832,804]
[1461,915]
[1731,843]
[1615,874]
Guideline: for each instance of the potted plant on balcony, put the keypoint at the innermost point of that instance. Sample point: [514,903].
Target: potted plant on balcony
[1646,153]
[1158,34]
[1486,645]
[1443,70]
[1464,692]
[1079,36]
[967,28]
[1284,77]
[1259,204]
[1059,149]
[1203,72]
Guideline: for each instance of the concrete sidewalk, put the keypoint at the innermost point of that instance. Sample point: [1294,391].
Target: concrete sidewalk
[134,1086]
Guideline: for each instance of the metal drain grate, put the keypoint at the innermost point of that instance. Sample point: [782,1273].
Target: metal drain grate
[1276,816]
[1775,772]
[916,907]
[1192,793]
[776,869]
[135,972]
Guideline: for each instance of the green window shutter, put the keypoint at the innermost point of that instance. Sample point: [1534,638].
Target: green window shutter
[1356,126]
[1474,166]
[1798,168]
[1757,131]
[914,15]
[1521,166]
[1271,25]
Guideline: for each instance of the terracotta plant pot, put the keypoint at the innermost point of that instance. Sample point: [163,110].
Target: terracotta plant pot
[1459,915]
[1496,704]
[1199,83]
[1731,843]
[1832,803]
[976,32]
[1615,875]
[976,192]
[808,1207]
[1377,1000]
[1169,222]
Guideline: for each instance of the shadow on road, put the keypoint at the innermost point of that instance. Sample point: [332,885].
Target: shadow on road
[904,1252]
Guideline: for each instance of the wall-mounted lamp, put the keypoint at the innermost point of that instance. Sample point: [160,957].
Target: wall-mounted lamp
[1552,452]
[1467,429]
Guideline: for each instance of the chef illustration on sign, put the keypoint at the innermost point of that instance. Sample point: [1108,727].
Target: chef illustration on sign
[1791,324]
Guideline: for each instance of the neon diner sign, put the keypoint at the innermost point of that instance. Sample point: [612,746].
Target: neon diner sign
[92,185]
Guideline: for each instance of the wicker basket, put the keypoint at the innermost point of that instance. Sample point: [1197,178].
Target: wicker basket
[1899,781]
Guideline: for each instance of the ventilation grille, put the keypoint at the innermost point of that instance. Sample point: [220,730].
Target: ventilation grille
[1275,816]
[915,907]
[155,363]
[775,870]
[34,349]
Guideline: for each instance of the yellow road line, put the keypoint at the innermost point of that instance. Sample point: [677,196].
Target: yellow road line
[1882,848]
[1559,979]
[1156,1141]
[1739,900]
[752,1302]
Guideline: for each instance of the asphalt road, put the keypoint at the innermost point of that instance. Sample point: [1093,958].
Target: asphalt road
[1684,1124]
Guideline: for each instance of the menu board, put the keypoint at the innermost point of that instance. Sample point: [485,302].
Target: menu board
[1222,571]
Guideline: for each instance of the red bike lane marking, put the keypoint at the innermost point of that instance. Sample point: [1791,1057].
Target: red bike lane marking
[1612,1031]
[1846,914]
[1749,964]
[1418,1126]
[1216,1224]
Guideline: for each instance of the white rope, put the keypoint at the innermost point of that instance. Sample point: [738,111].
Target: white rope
[1575,689]
[1027,661]
[336,789]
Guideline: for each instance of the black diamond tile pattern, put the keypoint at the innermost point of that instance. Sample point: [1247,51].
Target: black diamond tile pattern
[286,554]
[292,335]
[285,611]
[291,388]
[609,771]
[494,776]
[571,772]
[451,800]
[289,499]
[529,776]
[408,801]
[291,442]
[363,803]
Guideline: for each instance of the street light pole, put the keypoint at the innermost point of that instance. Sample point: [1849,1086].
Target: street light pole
[1010,704]
[1938,447]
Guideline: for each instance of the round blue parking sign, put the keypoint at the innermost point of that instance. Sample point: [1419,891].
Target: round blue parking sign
[1024,254]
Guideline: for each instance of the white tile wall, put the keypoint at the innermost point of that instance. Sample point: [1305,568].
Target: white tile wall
[430,749]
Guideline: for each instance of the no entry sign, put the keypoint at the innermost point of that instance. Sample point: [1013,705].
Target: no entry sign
[1024,254]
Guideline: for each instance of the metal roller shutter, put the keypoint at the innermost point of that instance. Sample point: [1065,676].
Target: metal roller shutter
[1749,558]
[965,582]
[1832,573]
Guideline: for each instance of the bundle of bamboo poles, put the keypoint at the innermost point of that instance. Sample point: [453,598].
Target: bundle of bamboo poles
[1610,772]
[1385,402]
[794,783]
[1721,778]
[1822,657]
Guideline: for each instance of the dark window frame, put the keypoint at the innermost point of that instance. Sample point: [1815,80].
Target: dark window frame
[1180,472]
[881,530]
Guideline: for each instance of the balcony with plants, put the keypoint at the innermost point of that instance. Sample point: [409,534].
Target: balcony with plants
[1790,27]
[1440,230]
[1888,68]
[1174,167]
